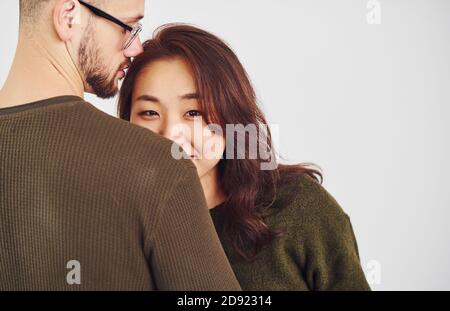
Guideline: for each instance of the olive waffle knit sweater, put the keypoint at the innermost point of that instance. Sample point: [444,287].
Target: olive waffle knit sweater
[87,198]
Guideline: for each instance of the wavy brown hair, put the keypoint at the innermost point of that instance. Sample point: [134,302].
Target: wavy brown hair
[226,97]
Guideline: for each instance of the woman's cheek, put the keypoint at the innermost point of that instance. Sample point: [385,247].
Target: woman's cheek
[213,144]
[213,147]
[196,137]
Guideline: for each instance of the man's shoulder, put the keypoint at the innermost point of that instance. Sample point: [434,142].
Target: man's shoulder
[128,142]
[110,129]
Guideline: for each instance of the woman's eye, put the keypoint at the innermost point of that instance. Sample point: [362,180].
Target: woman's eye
[148,113]
[193,114]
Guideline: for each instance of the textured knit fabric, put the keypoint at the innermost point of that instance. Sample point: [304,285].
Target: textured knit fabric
[77,184]
[317,252]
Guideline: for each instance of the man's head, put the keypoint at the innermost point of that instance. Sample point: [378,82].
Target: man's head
[95,43]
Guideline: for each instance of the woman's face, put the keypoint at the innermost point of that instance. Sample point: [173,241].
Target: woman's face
[165,100]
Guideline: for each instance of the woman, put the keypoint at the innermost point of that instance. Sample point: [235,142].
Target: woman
[280,229]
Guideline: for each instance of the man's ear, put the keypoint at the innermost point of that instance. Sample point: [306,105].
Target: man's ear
[66,14]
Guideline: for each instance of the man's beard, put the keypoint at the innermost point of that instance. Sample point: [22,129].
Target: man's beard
[95,70]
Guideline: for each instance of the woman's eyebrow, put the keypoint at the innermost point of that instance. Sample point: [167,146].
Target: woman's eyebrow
[190,96]
[148,98]
[151,98]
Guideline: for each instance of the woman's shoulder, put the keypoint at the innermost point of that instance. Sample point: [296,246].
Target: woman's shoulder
[318,235]
[304,199]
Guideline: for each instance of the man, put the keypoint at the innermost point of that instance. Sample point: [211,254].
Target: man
[87,201]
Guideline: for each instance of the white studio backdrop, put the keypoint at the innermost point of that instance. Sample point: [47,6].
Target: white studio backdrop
[360,87]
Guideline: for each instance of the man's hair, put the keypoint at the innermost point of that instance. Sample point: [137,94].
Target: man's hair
[31,9]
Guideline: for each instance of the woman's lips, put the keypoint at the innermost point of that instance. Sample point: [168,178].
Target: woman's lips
[194,157]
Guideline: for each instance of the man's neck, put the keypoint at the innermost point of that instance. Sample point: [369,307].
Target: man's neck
[39,73]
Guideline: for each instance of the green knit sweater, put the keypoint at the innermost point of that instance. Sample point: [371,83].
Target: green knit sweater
[91,202]
[317,252]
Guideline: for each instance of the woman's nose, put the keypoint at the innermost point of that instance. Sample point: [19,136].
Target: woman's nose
[174,130]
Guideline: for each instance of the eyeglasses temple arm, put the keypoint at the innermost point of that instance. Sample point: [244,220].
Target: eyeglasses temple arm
[100,13]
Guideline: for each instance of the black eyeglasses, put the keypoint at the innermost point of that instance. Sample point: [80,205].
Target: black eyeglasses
[134,31]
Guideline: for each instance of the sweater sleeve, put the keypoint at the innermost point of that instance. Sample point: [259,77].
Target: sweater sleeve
[331,254]
[187,254]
